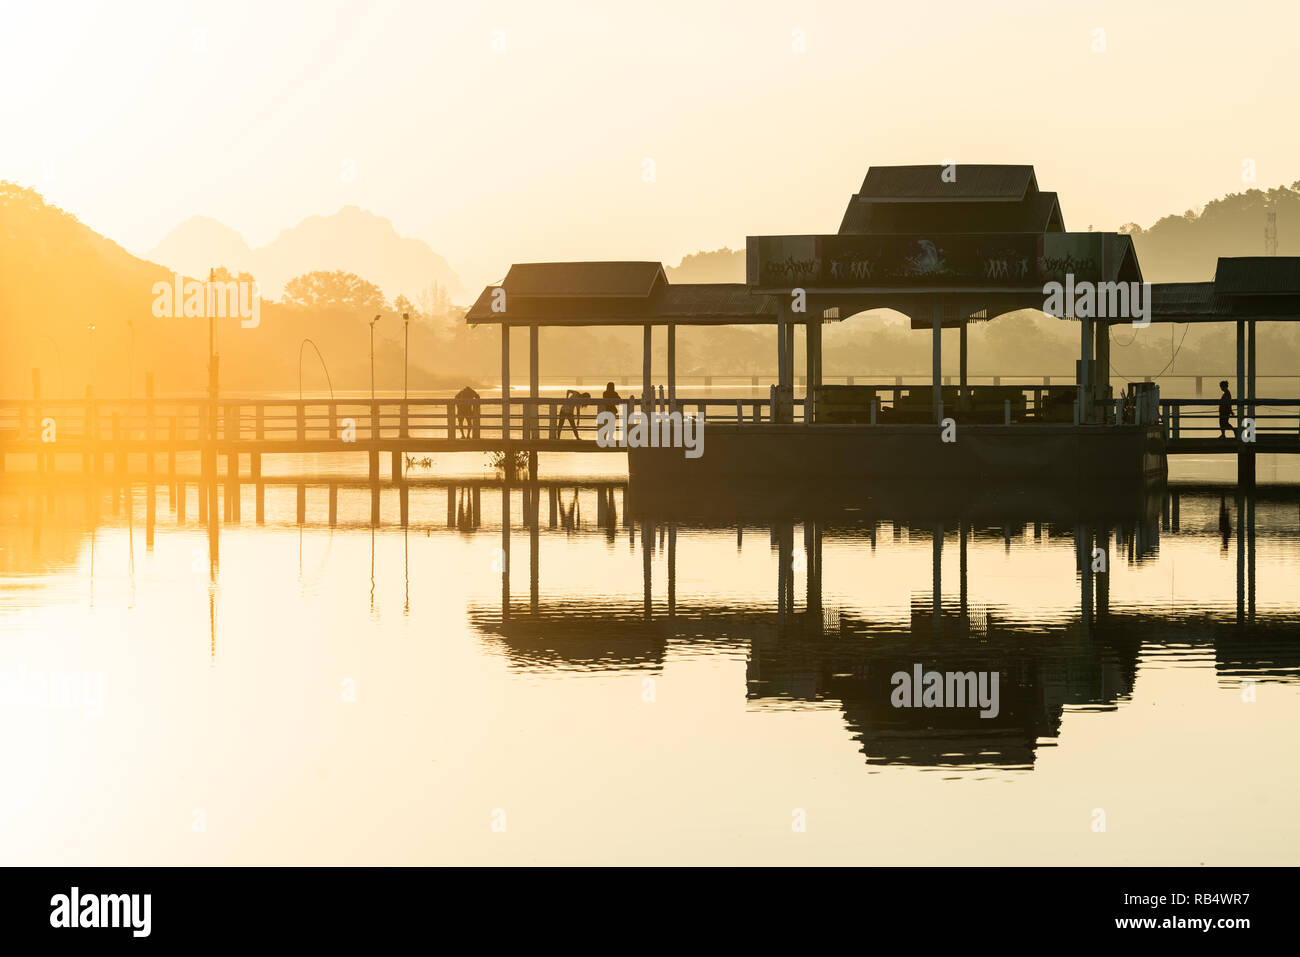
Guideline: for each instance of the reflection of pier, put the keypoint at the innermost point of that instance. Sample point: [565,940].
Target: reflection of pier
[806,647]
[809,654]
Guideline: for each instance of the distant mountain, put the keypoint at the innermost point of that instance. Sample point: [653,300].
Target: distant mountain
[351,239]
[1186,248]
[201,243]
[59,278]
[79,308]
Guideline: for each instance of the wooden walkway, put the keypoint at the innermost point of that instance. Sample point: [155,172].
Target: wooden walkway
[1192,427]
[95,429]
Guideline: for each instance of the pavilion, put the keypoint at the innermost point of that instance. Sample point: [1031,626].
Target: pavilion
[944,246]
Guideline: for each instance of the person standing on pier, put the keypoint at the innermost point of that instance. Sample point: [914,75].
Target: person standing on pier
[1225,411]
[611,399]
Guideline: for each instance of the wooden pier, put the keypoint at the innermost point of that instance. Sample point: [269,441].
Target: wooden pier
[108,435]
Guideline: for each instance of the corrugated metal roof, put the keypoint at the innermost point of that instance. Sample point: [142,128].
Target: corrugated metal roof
[926,183]
[685,303]
[1036,213]
[1258,275]
[1208,302]
[583,279]
[1183,298]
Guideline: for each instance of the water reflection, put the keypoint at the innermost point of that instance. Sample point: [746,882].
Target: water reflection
[812,621]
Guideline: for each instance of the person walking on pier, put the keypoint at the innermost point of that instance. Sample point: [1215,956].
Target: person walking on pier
[1225,411]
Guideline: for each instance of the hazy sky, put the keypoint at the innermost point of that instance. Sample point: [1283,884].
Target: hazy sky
[135,116]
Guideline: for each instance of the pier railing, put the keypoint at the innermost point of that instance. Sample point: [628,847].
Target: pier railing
[1186,419]
[191,422]
[286,424]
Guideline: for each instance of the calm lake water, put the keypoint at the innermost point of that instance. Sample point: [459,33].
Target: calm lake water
[571,677]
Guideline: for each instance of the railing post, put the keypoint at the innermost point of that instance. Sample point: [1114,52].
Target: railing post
[302,421]
[1006,411]
[334,425]
[148,423]
[232,463]
[92,431]
[118,455]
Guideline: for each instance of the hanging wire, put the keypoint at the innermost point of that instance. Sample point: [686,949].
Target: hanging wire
[1187,327]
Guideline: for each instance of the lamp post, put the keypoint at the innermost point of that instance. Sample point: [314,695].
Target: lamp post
[406,353]
[372,357]
[90,327]
[130,360]
[210,471]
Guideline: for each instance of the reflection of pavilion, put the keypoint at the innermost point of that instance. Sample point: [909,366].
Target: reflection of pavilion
[804,654]
[799,650]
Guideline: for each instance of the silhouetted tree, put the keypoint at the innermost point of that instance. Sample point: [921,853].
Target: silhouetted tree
[334,290]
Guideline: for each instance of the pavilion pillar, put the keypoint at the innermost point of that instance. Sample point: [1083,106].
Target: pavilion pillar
[647,388]
[534,380]
[505,400]
[789,356]
[534,377]
[1250,370]
[813,359]
[817,396]
[1101,365]
[961,378]
[1241,372]
[1085,370]
[1246,459]
[672,367]
[936,358]
[784,365]
[780,349]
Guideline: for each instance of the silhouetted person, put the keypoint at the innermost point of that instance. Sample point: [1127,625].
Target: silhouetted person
[1225,411]
[467,412]
[573,403]
[612,399]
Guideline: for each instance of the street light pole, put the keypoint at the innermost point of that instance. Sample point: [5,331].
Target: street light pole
[406,353]
[130,360]
[213,361]
[93,364]
[372,357]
